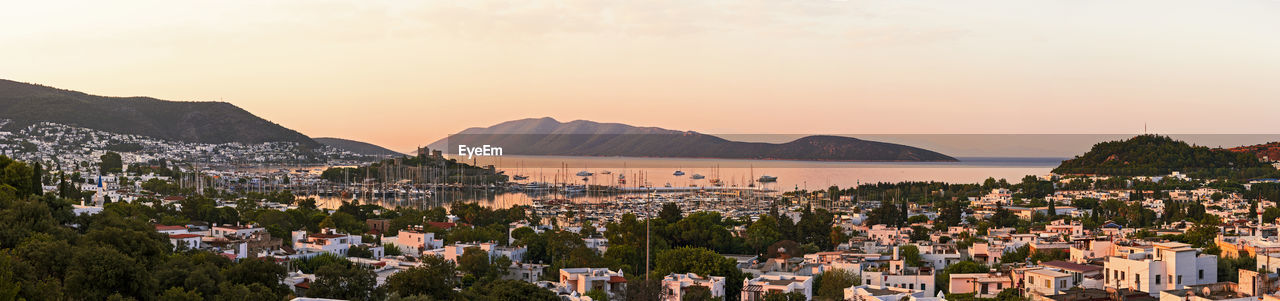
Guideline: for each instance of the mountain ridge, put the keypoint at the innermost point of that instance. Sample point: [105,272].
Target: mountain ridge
[547,136]
[188,121]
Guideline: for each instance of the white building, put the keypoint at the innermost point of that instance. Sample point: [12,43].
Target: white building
[756,289]
[1047,282]
[235,231]
[674,285]
[583,280]
[1172,266]
[414,242]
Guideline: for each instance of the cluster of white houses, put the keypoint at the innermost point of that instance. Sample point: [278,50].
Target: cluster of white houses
[1105,263]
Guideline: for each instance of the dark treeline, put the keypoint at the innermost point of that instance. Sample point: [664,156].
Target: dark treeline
[423,168]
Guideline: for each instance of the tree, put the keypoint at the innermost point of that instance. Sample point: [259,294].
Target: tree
[99,272]
[599,295]
[110,163]
[348,282]
[910,255]
[179,294]
[37,178]
[257,271]
[763,233]
[779,296]
[671,213]
[434,278]
[831,284]
[1018,255]
[475,261]
[515,290]
[1053,210]
[919,233]
[697,293]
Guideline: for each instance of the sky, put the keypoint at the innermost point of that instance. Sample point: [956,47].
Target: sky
[405,73]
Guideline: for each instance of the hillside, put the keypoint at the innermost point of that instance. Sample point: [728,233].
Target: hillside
[1268,152]
[546,136]
[202,122]
[1152,155]
[357,147]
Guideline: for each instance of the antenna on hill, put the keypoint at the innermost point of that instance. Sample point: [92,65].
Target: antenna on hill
[1144,128]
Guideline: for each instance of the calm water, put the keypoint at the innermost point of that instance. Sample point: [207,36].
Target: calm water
[658,172]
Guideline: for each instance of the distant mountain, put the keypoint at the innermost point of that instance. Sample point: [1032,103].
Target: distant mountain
[546,136]
[1152,155]
[1267,152]
[202,122]
[357,147]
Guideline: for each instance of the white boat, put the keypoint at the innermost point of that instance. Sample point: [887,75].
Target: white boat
[767,179]
[678,173]
[697,177]
[584,174]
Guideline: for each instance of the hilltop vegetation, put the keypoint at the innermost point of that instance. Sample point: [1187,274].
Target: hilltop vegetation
[1153,155]
[203,122]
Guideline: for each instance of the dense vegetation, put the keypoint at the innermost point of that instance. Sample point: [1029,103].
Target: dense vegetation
[1152,155]
[419,168]
[203,122]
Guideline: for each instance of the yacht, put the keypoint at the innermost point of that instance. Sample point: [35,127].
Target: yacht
[697,177]
[519,177]
[584,174]
[678,173]
[767,179]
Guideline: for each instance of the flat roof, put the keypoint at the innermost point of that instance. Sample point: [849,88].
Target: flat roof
[1049,273]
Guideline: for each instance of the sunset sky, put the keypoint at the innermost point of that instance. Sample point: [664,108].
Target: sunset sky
[405,73]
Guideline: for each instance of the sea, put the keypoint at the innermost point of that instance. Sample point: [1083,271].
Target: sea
[660,173]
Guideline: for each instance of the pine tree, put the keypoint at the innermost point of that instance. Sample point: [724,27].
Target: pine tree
[37,179]
[902,219]
[1053,209]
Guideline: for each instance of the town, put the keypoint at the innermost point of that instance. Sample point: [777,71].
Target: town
[174,232]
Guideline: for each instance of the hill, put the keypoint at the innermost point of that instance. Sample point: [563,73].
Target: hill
[202,122]
[357,147]
[1266,152]
[1152,155]
[546,136]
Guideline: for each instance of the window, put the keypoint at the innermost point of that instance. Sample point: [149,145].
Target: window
[1201,274]
[1157,279]
[999,285]
[1062,283]
[1047,283]
[1179,279]
[1137,280]
[911,286]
